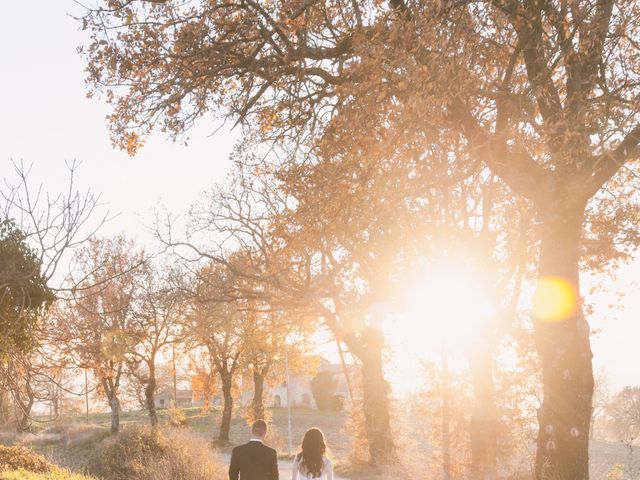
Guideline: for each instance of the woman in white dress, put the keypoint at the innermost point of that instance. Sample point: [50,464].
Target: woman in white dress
[312,462]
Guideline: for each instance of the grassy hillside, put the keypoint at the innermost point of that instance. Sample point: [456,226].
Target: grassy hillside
[332,423]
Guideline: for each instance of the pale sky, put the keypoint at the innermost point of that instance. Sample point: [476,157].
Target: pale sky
[46,120]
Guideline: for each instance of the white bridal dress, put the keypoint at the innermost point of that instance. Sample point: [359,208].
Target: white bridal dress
[299,474]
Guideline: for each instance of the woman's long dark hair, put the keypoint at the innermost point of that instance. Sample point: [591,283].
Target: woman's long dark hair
[313,449]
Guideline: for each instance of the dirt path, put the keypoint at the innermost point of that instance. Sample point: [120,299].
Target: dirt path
[284,466]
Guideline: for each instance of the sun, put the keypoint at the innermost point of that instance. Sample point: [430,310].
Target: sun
[449,303]
[443,309]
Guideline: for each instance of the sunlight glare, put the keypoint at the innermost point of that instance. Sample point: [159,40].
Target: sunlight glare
[449,303]
[444,309]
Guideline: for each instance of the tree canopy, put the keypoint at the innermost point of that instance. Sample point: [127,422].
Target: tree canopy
[24,294]
[541,94]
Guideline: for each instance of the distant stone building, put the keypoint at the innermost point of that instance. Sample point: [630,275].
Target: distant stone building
[301,391]
[164,397]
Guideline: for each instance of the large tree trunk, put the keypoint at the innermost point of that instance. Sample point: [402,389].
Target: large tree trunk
[150,394]
[376,403]
[227,407]
[56,405]
[484,420]
[257,403]
[114,404]
[24,402]
[23,422]
[565,353]
[4,408]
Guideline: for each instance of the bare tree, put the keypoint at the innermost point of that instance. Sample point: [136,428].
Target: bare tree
[266,333]
[623,412]
[54,224]
[601,399]
[97,328]
[220,331]
[51,226]
[156,323]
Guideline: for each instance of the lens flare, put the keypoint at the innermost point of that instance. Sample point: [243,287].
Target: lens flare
[555,300]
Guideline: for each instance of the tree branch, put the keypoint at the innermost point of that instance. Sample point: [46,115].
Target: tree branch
[605,166]
[516,168]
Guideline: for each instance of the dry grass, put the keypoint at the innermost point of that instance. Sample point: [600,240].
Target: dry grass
[57,474]
[71,444]
[21,458]
[143,454]
[19,462]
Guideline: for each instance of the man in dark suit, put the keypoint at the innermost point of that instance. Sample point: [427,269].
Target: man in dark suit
[254,460]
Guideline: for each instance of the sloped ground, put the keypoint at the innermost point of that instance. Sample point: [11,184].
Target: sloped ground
[331,423]
[20,463]
[285,467]
[70,443]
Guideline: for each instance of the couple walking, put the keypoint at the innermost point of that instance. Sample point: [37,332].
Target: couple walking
[255,461]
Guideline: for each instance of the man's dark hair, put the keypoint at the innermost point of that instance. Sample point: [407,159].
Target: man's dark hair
[259,428]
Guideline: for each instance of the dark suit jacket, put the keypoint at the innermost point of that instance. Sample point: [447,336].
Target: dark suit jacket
[253,461]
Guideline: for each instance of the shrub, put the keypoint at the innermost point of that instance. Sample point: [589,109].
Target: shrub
[56,474]
[21,458]
[247,414]
[177,418]
[77,442]
[20,463]
[144,454]
[82,434]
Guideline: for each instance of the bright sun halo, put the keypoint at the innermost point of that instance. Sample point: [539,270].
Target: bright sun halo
[447,303]
[445,308]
